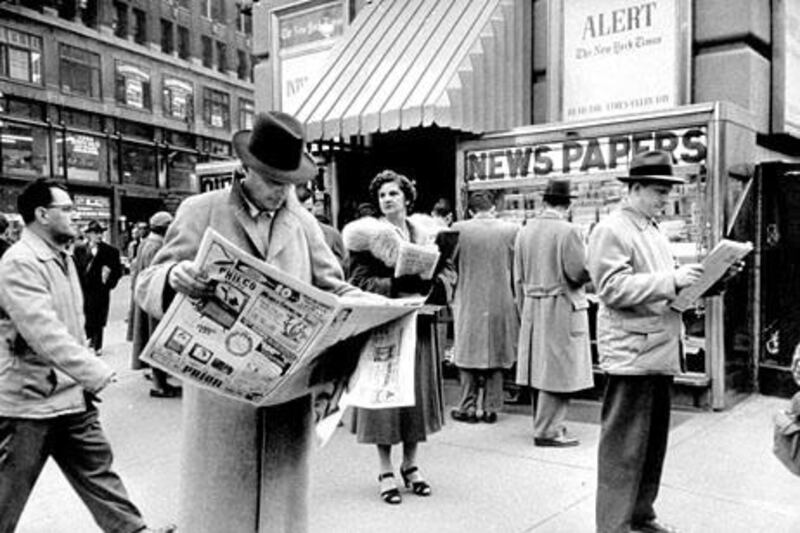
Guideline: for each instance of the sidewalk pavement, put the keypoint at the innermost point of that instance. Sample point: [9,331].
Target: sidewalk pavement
[720,475]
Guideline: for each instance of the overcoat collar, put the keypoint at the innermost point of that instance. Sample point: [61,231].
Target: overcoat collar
[278,237]
[639,219]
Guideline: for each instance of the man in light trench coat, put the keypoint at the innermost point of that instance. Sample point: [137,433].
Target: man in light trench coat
[245,469]
[639,342]
[486,320]
[554,353]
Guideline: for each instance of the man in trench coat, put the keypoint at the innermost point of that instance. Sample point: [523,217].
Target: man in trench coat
[639,343]
[554,353]
[245,469]
[486,320]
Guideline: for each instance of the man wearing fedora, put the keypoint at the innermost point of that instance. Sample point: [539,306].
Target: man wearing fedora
[554,355]
[485,318]
[99,269]
[246,468]
[639,343]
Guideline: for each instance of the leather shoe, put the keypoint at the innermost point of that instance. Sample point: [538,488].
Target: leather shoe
[490,417]
[652,526]
[461,416]
[561,441]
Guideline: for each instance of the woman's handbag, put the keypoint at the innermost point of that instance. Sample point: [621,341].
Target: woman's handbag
[787,438]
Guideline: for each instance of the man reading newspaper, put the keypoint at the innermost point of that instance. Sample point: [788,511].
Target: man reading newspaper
[245,468]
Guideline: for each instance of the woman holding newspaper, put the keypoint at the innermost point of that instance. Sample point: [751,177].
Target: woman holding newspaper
[375,247]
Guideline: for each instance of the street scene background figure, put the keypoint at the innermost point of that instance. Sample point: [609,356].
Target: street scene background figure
[143,324]
[99,268]
[486,324]
[554,349]
[639,343]
[49,378]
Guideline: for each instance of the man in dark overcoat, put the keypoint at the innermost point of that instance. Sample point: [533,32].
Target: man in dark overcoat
[99,268]
[554,353]
[639,343]
[486,320]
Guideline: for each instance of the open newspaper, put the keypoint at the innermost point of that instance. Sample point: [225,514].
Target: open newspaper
[263,336]
[715,265]
[408,258]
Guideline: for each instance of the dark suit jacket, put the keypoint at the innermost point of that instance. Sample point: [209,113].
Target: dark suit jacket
[95,292]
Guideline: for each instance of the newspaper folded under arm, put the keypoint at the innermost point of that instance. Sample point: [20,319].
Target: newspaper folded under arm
[416,259]
[725,254]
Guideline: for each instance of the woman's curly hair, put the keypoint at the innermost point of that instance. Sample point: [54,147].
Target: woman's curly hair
[387,176]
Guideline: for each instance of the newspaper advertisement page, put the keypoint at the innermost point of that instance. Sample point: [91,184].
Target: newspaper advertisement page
[715,265]
[255,338]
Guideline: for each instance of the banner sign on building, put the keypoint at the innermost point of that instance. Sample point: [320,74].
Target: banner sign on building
[620,57]
[581,157]
[786,67]
[304,38]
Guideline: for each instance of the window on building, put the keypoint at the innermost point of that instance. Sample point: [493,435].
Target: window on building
[26,150]
[244,22]
[89,13]
[121,20]
[180,170]
[167,37]
[132,85]
[222,56]
[242,65]
[177,99]
[208,51]
[216,109]
[80,71]
[139,29]
[214,10]
[184,45]
[20,56]
[83,156]
[247,111]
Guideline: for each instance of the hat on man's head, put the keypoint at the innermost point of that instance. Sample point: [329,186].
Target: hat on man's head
[558,189]
[162,219]
[652,166]
[94,227]
[276,147]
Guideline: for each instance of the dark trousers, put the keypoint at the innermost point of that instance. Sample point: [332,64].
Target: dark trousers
[633,442]
[77,444]
[471,381]
[95,335]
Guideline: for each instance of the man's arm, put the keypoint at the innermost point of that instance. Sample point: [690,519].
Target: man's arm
[115,266]
[25,296]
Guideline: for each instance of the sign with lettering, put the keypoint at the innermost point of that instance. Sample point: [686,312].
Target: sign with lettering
[619,57]
[304,38]
[580,157]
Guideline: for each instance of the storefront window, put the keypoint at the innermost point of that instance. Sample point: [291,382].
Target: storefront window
[138,164]
[216,149]
[247,111]
[80,71]
[25,150]
[79,119]
[20,56]
[16,107]
[132,86]
[180,170]
[216,109]
[84,154]
[177,99]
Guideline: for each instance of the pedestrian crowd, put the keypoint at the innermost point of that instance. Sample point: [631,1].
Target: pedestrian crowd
[518,298]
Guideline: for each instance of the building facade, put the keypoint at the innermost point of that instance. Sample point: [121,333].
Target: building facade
[121,99]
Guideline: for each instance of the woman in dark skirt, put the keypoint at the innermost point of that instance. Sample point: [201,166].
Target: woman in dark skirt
[394,194]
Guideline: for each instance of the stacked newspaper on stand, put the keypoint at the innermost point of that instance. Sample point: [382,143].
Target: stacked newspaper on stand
[715,265]
[260,336]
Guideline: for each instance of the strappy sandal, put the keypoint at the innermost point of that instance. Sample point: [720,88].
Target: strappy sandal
[419,487]
[390,495]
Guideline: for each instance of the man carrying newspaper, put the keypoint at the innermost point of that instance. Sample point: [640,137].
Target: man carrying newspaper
[245,468]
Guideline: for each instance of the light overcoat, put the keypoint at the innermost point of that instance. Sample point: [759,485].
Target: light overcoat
[486,318]
[244,469]
[633,271]
[554,350]
[142,324]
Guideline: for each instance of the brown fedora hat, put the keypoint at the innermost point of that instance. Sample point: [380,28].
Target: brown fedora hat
[276,147]
[558,188]
[654,166]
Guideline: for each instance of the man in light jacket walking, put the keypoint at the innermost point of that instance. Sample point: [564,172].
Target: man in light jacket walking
[554,354]
[639,342]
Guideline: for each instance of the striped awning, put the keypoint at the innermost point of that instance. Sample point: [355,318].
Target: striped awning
[401,64]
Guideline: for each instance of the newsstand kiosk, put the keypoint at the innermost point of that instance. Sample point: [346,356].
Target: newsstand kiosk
[706,141]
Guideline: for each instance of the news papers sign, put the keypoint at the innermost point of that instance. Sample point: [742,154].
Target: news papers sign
[581,157]
[619,57]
